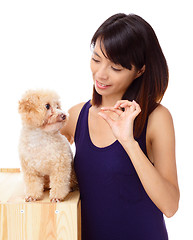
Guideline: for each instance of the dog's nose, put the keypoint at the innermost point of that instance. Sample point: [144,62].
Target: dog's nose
[63,116]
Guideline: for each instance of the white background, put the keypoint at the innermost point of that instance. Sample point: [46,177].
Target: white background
[46,44]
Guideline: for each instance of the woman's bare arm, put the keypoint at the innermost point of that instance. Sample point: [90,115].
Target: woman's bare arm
[70,127]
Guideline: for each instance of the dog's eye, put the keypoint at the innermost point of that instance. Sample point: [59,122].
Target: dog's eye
[48,106]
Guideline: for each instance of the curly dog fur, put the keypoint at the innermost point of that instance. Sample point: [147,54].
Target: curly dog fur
[44,152]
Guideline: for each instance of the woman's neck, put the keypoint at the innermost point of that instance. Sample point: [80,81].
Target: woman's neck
[109,101]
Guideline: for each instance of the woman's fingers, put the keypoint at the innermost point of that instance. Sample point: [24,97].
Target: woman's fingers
[128,105]
[123,124]
[122,103]
[125,103]
[132,109]
[112,109]
[137,109]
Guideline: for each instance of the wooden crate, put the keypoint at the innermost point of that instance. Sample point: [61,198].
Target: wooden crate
[39,220]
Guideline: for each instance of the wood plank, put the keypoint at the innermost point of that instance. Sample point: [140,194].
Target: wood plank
[38,220]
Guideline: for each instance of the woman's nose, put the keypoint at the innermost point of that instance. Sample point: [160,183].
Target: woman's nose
[102,73]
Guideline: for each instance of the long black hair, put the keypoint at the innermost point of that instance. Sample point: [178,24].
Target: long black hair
[129,40]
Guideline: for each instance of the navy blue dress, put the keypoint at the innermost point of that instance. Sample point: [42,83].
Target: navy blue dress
[114,204]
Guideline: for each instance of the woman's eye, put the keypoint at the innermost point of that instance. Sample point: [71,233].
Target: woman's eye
[48,106]
[116,69]
[95,60]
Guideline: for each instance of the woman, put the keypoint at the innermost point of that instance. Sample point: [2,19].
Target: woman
[125,143]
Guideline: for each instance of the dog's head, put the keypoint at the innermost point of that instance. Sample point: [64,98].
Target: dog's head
[42,109]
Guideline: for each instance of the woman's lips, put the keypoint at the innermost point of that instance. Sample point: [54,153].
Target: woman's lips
[101,85]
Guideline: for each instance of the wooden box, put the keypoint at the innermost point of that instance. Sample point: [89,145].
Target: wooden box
[39,220]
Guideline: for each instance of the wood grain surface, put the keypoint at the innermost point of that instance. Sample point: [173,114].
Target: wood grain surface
[39,220]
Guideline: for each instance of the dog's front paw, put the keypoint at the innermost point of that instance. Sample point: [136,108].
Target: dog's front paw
[55,200]
[30,199]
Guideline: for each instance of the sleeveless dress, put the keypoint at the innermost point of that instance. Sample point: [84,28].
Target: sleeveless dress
[114,204]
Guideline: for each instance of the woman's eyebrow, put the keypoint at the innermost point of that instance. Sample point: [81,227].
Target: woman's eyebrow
[96,54]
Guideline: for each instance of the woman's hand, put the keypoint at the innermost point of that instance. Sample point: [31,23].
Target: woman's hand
[122,125]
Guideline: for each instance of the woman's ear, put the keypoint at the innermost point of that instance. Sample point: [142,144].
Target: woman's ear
[141,71]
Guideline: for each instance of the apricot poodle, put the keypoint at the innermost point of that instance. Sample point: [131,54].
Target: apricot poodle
[45,154]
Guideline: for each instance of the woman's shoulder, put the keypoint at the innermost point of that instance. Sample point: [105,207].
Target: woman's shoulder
[69,129]
[160,112]
[160,121]
[75,110]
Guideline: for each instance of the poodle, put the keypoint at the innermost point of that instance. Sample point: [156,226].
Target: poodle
[45,155]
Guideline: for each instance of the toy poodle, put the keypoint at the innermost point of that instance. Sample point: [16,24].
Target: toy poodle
[45,154]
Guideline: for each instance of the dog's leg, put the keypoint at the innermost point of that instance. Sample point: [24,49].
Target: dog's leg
[46,182]
[73,180]
[60,186]
[33,187]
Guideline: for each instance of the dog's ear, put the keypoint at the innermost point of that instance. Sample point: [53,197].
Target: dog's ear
[24,106]
[28,104]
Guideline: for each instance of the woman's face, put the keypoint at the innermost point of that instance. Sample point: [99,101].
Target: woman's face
[110,79]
